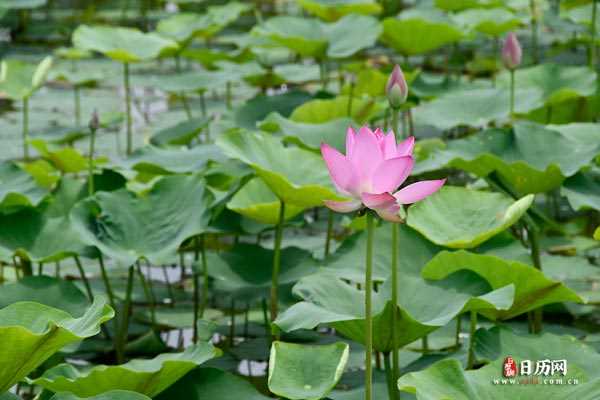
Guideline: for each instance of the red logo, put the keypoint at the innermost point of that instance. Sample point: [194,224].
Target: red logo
[509,367]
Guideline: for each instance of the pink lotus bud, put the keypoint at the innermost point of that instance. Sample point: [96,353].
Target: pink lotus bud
[511,52]
[396,88]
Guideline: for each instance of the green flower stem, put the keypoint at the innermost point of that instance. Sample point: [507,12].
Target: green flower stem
[26,129]
[86,283]
[512,93]
[350,97]
[534,32]
[425,344]
[109,292]
[592,50]
[277,261]
[128,107]
[389,377]
[204,300]
[368,316]
[108,287]
[329,233]
[91,162]
[266,321]
[124,326]
[147,294]
[395,345]
[534,243]
[473,328]
[196,285]
[77,97]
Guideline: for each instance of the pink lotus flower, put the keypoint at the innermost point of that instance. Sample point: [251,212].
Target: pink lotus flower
[511,51]
[371,172]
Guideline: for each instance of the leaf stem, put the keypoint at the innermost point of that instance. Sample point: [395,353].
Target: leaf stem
[592,51]
[26,129]
[124,326]
[368,316]
[473,328]
[77,97]
[91,162]
[86,283]
[512,93]
[204,300]
[277,261]
[148,295]
[128,107]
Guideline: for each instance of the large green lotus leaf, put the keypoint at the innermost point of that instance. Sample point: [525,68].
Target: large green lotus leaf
[498,342]
[419,31]
[330,300]
[476,107]
[558,83]
[211,384]
[313,38]
[447,380]
[458,217]
[348,261]
[193,81]
[64,159]
[183,27]
[459,5]
[351,34]
[126,226]
[532,288]
[296,176]
[51,292]
[181,133]
[30,333]
[19,79]
[310,135]
[22,4]
[259,107]
[256,201]
[76,77]
[304,36]
[168,160]
[110,395]
[492,21]
[148,377]
[332,10]
[298,371]
[18,188]
[31,232]
[122,44]
[319,111]
[531,158]
[582,190]
[245,270]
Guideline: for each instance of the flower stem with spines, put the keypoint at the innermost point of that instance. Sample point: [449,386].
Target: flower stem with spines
[368,305]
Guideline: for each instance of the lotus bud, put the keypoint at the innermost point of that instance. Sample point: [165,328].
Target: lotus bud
[511,52]
[396,88]
[94,122]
